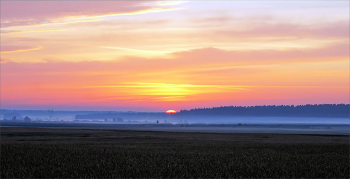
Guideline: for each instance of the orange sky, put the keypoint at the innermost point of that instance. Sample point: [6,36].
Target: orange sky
[154,56]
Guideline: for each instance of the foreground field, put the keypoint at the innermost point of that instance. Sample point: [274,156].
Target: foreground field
[320,129]
[72,153]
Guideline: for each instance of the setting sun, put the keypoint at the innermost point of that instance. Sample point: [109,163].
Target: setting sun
[170,111]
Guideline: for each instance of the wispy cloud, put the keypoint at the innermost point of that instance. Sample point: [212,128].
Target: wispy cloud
[29,31]
[23,50]
[136,50]
[146,11]
[35,15]
[53,23]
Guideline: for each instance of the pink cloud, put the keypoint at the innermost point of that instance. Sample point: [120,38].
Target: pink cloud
[193,60]
[35,12]
[189,64]
[261,57]
[12,49]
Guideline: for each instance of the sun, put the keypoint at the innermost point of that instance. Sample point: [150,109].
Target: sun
[170,111]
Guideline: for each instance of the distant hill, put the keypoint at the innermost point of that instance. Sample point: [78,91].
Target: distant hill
[318,110]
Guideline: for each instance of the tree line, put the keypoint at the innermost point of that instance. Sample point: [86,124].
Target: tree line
[308,110]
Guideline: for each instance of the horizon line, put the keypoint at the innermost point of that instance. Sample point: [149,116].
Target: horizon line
[175,110]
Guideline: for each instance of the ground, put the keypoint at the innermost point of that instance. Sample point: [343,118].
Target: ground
[107,153]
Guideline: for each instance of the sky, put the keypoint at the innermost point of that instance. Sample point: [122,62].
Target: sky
[160,55]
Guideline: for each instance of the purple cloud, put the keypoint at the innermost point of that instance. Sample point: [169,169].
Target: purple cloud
[36,12]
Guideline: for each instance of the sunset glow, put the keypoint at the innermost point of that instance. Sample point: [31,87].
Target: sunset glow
[170,111]
[152,56]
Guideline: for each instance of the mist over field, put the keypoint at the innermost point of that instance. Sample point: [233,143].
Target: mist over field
[255,120]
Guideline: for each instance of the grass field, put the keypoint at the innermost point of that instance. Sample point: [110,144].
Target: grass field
[80,153]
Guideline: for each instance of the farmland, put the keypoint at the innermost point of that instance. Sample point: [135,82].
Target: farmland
[104,153]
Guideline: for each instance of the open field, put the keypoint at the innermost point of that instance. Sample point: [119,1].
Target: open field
[321,129]
[107,153]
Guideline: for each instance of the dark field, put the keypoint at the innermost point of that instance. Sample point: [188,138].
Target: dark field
[102,153]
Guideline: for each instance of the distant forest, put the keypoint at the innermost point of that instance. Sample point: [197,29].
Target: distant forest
[318,110]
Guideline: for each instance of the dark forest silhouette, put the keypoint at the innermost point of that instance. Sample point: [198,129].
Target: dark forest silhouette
[317,110]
